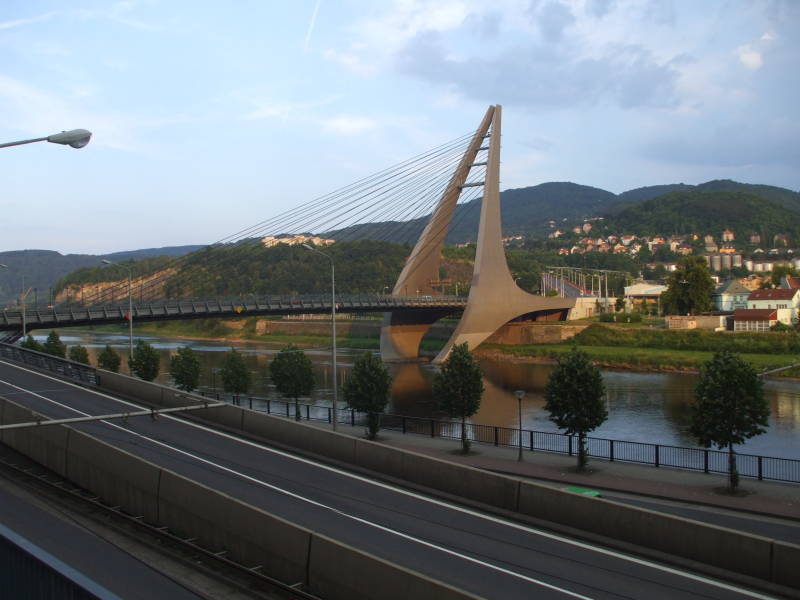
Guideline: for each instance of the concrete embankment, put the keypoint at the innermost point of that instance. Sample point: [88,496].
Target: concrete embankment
[250,536]
[735,552]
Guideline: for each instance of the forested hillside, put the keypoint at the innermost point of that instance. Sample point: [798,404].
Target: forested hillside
[698,211]
[41,269]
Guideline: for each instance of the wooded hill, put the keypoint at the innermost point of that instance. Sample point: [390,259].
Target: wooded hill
[700,211]
[43,268]
[527,211]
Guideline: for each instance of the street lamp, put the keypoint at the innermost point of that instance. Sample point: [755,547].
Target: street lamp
[333,325]
[520,394]
[130,307]
[77,138]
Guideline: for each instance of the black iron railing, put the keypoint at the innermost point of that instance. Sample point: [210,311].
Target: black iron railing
[59,366]
[658,455]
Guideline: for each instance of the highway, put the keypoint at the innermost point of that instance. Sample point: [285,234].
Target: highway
[486,555]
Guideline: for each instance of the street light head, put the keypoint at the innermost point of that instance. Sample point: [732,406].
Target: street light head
[77,138]
[306,246]
[3,266]
[106,262]
[520,394]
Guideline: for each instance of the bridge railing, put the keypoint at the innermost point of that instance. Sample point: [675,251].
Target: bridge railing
[48,362]
[656,455]
[64,315]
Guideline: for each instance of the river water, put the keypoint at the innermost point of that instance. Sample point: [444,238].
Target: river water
[643,407]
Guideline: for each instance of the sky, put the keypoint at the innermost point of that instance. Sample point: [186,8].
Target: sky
[208,117]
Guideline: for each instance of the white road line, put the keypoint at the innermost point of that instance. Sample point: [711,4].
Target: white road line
[318,504]
[464,510]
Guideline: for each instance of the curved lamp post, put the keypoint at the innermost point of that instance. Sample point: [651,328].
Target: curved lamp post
[130,305]
[76,138]
[333,325]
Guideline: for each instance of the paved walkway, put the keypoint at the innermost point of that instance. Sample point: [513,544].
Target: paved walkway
[780,500]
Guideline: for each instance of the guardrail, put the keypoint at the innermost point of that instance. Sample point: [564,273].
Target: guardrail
[48,362]
[658,455]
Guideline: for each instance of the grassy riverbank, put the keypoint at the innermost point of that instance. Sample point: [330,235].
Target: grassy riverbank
[665,350]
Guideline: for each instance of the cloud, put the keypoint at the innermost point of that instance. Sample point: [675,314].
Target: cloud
[552,19]
[27,21]
[307,43]
[541,75]
[348,124]
[351,61]
[749,57]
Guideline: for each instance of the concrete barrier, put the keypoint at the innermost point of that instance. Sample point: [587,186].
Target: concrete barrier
[717,546]
[145,391]
[302,436]
[728,549]
[219,522]
[338,572]
[46,445]
[119,478]
[786,564]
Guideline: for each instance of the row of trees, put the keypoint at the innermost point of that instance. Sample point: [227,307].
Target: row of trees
[729,403]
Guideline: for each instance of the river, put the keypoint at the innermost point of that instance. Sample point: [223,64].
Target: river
[643,407]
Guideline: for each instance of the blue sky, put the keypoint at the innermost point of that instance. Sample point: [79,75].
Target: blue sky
[210,116]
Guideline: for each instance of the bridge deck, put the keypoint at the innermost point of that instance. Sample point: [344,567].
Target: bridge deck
[70,316]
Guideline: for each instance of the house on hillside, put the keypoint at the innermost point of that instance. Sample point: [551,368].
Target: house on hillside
[730,296]
[643,295]
[790,283]
[780,239]
[728,236]
[755,238]
[754,319]
[785,301]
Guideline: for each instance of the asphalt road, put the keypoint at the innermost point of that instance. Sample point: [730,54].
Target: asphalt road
[483,554]
[115,571]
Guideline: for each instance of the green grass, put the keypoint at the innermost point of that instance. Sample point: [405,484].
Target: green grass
[659,358]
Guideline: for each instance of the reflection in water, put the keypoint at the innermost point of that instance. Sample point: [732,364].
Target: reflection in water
[646,407]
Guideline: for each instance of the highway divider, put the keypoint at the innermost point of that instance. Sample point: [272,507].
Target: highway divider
[719,547]
[217,521]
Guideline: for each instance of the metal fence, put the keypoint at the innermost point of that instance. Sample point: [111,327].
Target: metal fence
[657,455]
[59,366]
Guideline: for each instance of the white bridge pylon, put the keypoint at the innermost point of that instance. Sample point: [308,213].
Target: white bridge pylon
[494,298]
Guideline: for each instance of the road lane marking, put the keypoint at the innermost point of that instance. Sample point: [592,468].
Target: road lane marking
[457,508]
[318,504]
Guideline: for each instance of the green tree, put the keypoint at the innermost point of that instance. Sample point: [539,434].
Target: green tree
[367,390]
[292,373]
[185,369]
[108,359]
[689,287]
[55,346]
[574,398]
[619,304]
[145,361]
[79,354]
[32,344]
[235,374]
[458,388]
[729,406]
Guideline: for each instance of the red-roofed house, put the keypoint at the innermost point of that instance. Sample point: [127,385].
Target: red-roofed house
[791,283]
[754,319]
[785,301]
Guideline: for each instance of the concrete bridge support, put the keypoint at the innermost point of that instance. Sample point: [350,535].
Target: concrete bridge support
[494,298]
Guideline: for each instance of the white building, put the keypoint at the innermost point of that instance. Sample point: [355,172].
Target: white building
[786,302]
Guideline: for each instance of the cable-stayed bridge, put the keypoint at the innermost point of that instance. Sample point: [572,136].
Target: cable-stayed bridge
[420,201]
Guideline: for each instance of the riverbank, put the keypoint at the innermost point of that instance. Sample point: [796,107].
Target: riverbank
[635,359]
[611,346]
